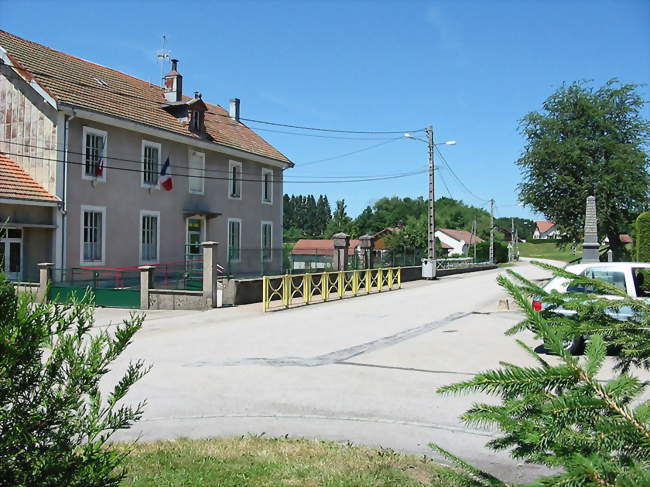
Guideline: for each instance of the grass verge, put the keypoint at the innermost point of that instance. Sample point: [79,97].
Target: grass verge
[548,250]
[262,462]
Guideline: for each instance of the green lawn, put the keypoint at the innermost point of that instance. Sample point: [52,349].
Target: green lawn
[548,250]
[260,462]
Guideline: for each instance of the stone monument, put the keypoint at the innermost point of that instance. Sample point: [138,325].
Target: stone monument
[590,246]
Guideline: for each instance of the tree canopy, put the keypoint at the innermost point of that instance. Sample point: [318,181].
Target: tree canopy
[308,217]
[587,141]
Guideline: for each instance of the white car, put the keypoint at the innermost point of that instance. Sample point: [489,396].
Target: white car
[627,276]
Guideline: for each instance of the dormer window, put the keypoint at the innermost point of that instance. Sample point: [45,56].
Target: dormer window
[196,121]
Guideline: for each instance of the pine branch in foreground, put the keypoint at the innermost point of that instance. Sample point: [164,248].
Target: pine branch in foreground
[561,415]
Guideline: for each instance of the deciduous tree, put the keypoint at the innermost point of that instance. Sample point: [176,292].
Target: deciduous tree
[586,142]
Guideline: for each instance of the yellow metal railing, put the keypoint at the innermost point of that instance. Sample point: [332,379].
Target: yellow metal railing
[293,289]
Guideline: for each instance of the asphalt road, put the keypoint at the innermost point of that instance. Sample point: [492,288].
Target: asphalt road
[363,370]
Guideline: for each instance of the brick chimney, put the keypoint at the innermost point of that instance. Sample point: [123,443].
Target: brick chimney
[173,84]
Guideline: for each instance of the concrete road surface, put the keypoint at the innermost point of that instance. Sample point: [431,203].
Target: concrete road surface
[363,370]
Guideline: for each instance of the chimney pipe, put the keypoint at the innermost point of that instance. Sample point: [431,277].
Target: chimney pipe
[174,64]
[234,109]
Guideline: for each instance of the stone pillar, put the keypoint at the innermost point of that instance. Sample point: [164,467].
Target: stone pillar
[341,246]
[210,274]
[367,246]
[146,283]
[44,280]
[590,246]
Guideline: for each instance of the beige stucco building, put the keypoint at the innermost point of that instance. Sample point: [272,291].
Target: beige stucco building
[102,147]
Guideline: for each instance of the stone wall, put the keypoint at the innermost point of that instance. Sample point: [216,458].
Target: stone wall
[176,299]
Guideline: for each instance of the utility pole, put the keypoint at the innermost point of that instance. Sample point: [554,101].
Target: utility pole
[491,231]
[473,234]
[431,251]
[512,240]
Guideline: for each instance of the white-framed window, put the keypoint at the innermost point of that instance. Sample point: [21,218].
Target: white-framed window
[234,180]
[150,164]
[149,236]
[93,235]
[93,150]
[234,240]
[267,241]
[196,172]
[267,186]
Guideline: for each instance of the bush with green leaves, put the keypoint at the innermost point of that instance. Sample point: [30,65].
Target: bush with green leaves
[483,251]
[54,421]
[561,413]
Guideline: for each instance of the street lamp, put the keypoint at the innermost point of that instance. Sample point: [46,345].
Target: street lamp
[429,266]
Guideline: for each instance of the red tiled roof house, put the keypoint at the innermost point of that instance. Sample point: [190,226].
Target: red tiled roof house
[83,147]
[545,230]
[456,242]
[317,254]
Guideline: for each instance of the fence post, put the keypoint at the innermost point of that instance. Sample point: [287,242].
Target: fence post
[380,279]
[325,285]
[146,283]
[265,293]
[287,291]
[306,288]
[367,246]
[341,246]
[44,279]
[209,274]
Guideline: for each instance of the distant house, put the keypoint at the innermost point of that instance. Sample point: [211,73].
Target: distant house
[507,234]
[545,230]
[456,242]
[625,239]
[380,236]
[312,254]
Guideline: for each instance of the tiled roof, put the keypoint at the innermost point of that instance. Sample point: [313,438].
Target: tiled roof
[544,226]
[625,238]
[320,247]
[77,82]
[15,183]
[459,235]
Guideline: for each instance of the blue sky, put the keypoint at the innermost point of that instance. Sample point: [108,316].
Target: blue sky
[471,69]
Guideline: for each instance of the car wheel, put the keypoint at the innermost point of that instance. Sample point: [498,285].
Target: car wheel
[575,346]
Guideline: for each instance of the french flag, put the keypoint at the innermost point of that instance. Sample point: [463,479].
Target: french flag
[166,177]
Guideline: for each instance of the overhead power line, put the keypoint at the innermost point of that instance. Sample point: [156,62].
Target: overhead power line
[138,170]
[350,153]
[321,136]
[105,89]
[223,171]
[469,191]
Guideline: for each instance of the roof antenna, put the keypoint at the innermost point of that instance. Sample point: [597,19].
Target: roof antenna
[163,55]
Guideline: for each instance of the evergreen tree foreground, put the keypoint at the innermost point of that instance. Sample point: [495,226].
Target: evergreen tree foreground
[564,415]
[55,423]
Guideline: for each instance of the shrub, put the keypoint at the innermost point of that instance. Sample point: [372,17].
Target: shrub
[594,433]
[643,237]
[54,421]
[483,252]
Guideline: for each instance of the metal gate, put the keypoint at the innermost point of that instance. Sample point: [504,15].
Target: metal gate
[112,288]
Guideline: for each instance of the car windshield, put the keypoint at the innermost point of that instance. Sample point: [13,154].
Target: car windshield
[610,276]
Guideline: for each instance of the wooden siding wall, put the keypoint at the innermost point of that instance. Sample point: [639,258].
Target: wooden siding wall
[27,131]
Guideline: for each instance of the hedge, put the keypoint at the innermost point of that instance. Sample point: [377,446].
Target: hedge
[643,237]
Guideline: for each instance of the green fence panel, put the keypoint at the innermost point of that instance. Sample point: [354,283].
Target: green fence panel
[117,298]
[111,298]
[67,294]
